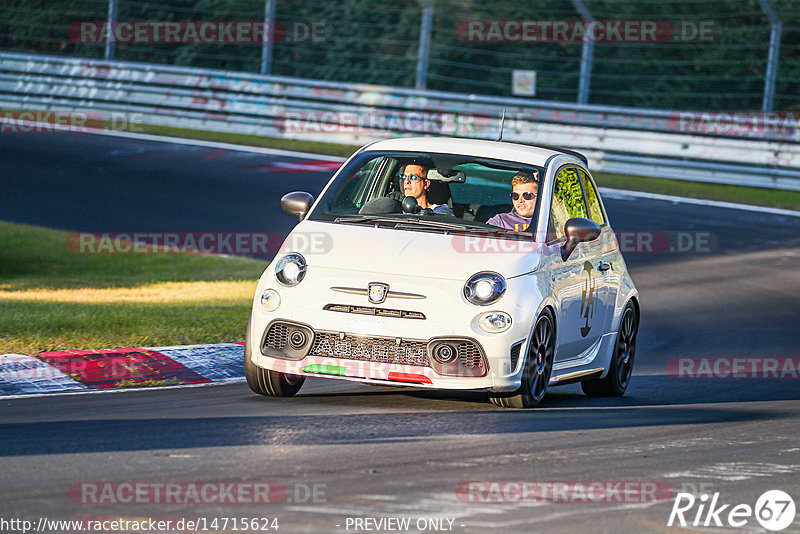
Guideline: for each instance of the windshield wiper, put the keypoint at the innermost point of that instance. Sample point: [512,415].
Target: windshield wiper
[401,222]
[406,222]
[483,230]
[431,224]
[366,219]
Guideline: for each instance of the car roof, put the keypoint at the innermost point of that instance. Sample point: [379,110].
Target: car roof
[533,155]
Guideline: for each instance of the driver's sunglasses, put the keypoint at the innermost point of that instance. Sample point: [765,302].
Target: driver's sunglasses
[527,195]
[410,177]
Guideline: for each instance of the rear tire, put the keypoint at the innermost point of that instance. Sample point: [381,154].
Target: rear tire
[538,367]
[265,381]
[619,374]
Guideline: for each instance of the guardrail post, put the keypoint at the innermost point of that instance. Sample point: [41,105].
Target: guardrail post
[424,43]
[772,59]
[587,55]
[112,20]
[269,35]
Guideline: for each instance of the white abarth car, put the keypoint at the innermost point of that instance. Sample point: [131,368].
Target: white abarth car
[380,284]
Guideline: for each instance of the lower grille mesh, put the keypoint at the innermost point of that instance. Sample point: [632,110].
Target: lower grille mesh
[469,360]
[277,337]
[370,349]
[515,350]
[469,356]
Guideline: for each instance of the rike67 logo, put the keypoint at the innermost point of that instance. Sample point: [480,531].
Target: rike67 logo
[774,510]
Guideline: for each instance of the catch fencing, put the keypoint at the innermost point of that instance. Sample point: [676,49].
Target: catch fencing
[719,55]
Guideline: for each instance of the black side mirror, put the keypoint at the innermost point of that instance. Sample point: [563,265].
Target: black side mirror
[410,205]
[578,230]
[297,203]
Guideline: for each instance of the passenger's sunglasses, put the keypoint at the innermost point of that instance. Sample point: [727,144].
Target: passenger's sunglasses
[527,195]
[410,177]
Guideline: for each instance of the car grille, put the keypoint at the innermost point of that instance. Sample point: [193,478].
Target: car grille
[515,350]
[370,349]
[469,356]
[367,310]
[278,340]
[277,337]
[469,362]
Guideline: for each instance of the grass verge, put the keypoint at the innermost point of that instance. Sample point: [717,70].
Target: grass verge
[726,193]
[53,299]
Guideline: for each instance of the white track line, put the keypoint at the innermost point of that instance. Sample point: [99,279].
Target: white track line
[621,193]
[215,144]
[119,390]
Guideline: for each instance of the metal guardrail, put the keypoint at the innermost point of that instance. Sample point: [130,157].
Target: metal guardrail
[628,141]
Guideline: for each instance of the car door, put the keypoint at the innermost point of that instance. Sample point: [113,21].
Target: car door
[609,277]
[578,282]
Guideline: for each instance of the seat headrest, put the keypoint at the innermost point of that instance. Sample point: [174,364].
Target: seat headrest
[438,192]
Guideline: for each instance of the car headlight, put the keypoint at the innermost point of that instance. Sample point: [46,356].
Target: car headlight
[484,288]
[270,300]
[494,322]
[290,269]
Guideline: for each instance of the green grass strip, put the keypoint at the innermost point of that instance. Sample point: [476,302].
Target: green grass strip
[54,299]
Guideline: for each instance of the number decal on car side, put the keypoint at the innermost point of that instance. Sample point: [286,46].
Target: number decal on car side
[588,298]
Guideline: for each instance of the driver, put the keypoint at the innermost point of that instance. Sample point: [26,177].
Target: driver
[415,182]
[525,186]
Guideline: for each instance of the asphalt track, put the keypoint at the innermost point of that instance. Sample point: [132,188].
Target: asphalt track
[395,452]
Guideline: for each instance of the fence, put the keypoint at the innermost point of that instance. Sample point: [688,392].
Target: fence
[718,55]
[616,139]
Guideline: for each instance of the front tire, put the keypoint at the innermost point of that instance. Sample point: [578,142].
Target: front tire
[619,375]
[538,367]
[265,381]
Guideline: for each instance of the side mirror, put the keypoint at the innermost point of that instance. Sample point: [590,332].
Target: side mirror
[297,203]
[578,230]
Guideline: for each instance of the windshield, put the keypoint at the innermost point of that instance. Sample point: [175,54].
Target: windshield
[427,191]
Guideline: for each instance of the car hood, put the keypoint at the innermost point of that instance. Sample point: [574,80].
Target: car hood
[402,252]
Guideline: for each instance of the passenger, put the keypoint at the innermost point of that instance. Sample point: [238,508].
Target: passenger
[525,186]
[415,184]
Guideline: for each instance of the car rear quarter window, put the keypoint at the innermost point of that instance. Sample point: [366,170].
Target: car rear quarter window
[592,200]
[567,201]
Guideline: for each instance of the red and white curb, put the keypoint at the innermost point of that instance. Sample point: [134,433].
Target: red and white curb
[115,369]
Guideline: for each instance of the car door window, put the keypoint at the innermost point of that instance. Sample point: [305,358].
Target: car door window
[353,193]
[592,200]
[567,201]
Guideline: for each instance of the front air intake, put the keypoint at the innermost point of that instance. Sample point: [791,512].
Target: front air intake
[287,340]
[457,357]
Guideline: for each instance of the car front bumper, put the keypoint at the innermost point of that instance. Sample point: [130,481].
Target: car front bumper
[447,315]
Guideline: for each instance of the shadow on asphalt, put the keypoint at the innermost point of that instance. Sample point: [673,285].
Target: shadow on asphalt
[644,391]
[82,436]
